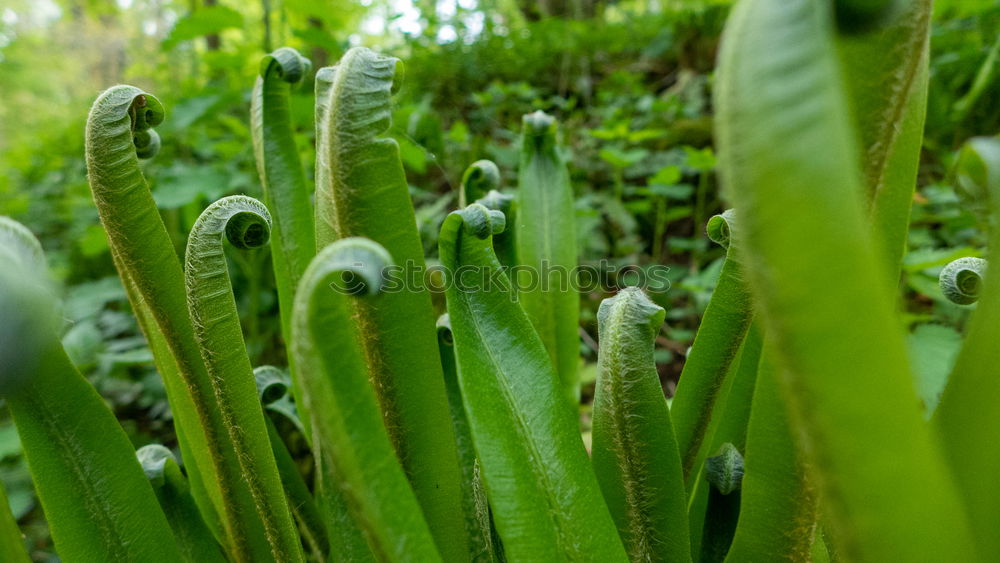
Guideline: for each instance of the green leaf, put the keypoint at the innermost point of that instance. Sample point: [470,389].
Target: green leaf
[11,539]
[622,158]
[789,165]
[474,504]
[720,334]
[885,79]
[778,501]
[666,176]
[635,454]
[96,500]
[545,498]
[272,387]
[362,192]
[926,258]
[711,516]
[187,185]
[933,349]
[194,539]
[285,190]
[205,20]
[967,410]
[249,477]
[702,160]
[10,443]
[545,235]
[355,457]
[151,272]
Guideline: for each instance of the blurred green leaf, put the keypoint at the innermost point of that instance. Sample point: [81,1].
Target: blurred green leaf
[666,176]
[933,349]
[203,21]
[924,258]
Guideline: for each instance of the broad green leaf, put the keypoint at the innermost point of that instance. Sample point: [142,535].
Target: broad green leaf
[635,454]
[355,457]
[249,477]
[96,500]
[788,163]
[885,79]
[967,413]
[778,501]
[545,235]
[545,498]
[362,192]
[194,540]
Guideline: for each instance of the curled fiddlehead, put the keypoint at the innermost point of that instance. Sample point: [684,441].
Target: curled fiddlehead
[271,384]
[545,498]
[479,179]
[503,243]
[362,192]
[962,279]
[634,453]
[147,143]
[194,539]
[286,191]
[357,467]
[545,238]
[724,471]
[286,64]
[246,223]
[721,332]
[719,228]
[97,502]
[145,257]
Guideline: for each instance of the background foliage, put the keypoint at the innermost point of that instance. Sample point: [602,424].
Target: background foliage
[629,80]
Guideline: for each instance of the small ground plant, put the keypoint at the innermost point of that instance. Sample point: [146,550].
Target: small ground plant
[796,432]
